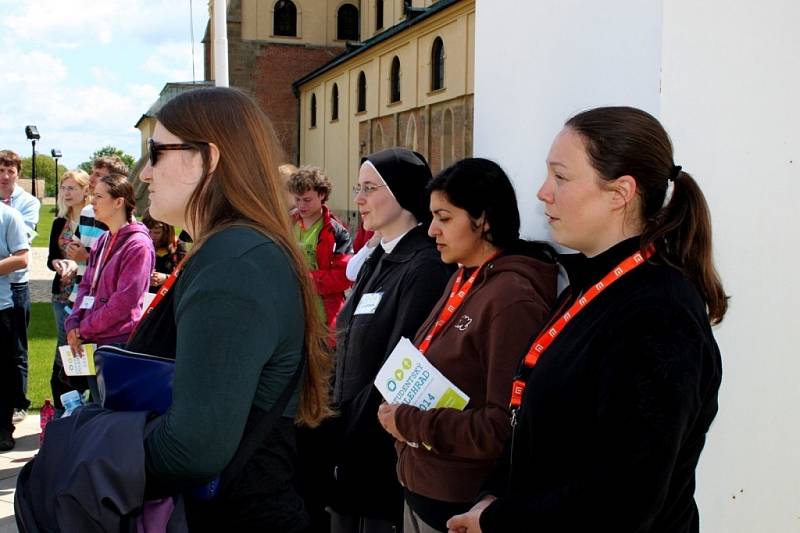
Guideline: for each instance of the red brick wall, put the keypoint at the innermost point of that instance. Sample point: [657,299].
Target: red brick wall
[429,122]
[275,68]
[268,70]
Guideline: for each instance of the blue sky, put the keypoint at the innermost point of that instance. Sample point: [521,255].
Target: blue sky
[85,71]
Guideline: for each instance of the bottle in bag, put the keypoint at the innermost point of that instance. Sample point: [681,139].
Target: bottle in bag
[47,414]
[70,400]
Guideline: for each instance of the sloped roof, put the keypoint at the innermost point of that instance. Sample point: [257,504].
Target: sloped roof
[416,16]
[170,90]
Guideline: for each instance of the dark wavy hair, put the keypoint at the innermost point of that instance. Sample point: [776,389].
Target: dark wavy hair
[481,187]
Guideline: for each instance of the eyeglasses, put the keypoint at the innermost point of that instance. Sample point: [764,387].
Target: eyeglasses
[154,148]
[367,189]
[68,188]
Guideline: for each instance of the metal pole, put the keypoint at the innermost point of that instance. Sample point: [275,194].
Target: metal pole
[33,168]
[220,43]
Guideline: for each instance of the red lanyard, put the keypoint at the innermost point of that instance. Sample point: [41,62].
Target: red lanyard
[550,334]
[165,288]
[457,295]
[104,256]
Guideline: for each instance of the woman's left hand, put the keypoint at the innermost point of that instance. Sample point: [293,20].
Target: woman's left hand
[157,279]
[386,417]
[470,522]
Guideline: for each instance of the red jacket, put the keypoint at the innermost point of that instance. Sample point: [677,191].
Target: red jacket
[362,237]
[333,253]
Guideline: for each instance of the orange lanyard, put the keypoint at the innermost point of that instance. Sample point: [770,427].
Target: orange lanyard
[165,288]
[546,338]
[104,257]
[457,295]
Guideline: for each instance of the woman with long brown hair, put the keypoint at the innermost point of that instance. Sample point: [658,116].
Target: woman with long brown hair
[613,399]
[239,316]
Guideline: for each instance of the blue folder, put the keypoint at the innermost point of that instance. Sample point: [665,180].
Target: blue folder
[130,381]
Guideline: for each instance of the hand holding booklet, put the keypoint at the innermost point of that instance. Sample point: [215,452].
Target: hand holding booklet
[78,365]
[408,377]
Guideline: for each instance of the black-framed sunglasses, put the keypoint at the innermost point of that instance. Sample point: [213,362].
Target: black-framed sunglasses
[153,148]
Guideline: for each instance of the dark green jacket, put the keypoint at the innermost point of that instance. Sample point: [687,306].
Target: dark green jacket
[235,323]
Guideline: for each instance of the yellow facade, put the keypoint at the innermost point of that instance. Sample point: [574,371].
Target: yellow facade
[337,145]
[316,21]
[393,14]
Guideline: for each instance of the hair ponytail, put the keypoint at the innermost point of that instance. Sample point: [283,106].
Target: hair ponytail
[624,141]
[680,232]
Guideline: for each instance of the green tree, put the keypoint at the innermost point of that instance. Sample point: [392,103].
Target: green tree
[45,168]
[128,159]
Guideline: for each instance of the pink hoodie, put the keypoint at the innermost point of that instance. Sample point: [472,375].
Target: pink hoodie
[120,290]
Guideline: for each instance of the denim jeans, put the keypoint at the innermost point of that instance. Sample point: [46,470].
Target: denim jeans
[58,387]
[21,297]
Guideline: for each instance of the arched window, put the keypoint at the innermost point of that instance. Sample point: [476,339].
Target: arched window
[362,92]
[285,19]
[411,134]
[437,64]
[335,102]
[447,139]
[394,81]
[347,23]
[378,15]
[313,111]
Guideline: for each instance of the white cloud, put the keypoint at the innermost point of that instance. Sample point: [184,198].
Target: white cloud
[85,71]
[103,75]
[68,23]
[76,119]
[170,60]
[33,67]
[144,92]
[88,20]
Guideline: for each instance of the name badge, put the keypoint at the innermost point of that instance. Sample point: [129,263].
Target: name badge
[368,303]
[87,302]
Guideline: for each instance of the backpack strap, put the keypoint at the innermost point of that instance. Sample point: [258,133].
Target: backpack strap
[256,437]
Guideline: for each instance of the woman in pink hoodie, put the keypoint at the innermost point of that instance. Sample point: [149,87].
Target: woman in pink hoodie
[111,293]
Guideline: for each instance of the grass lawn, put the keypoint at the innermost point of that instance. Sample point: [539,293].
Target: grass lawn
[46,215]
[41,347]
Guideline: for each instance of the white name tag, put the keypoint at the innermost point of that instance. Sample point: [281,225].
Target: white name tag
[368,303]
[148,297]
[87,302]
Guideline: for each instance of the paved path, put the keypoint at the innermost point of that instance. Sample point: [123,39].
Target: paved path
[27,432]
[41,277]
[27,435]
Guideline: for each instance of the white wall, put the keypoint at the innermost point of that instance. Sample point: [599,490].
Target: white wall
[731,101]
[724,77]
[538,62]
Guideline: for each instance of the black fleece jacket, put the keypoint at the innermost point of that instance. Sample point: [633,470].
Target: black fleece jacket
[615,414]
[411,279]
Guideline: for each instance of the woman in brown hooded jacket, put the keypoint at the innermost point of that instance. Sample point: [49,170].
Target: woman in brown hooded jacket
[475,336]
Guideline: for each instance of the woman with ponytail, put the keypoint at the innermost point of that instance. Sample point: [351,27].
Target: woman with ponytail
[612,402]
[239,316]
[111,292]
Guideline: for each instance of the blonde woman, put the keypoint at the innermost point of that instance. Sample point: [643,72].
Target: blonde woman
[73,195]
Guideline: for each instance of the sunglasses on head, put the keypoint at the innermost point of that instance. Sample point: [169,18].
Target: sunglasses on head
[153,148]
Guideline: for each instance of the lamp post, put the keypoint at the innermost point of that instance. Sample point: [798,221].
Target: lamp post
[56,153]
[33,135]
